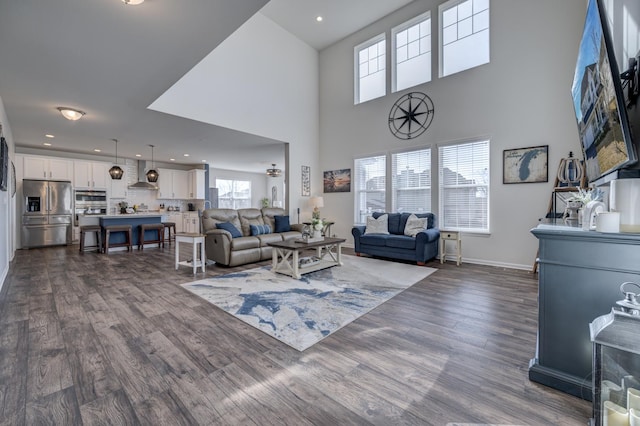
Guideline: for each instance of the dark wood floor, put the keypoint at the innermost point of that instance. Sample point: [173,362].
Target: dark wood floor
[94,339]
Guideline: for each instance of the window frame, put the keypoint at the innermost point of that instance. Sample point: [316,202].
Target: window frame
[357,217]
[441,184]
[443,8]
[356,67]
[399,28]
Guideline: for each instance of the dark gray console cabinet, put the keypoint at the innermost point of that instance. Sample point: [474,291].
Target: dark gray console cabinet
[580,273]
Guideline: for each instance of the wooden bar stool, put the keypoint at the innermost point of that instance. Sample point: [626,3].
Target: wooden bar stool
[169,226]
[156,227]
[86,229]
[109,229]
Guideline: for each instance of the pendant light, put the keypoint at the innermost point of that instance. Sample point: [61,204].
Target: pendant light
[152,174]
[273,172]
[116,172]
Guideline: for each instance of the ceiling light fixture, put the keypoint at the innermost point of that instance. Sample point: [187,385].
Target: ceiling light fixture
[50,136]
[273,172]
[116,172]
[319,18]
[46,144]
[132,2]
[97,150]
[71,113]
[152,174]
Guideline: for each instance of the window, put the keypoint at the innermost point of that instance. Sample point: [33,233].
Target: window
[370,74]
[464,186]
[233,194]
[411,52]
[370,186]
[464,35]
[411,184]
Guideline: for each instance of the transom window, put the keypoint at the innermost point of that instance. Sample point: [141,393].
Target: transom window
[370,59]
[464,35]
[411,52]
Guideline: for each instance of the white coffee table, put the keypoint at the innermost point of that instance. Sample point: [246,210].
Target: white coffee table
[194,240]
[286,256]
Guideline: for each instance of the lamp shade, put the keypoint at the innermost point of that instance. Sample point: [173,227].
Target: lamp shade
[317,202]
[116,172]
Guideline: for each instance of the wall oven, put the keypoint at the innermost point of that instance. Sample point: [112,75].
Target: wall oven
[89,202]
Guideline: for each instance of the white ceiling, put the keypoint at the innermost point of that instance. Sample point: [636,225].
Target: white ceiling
[112,61]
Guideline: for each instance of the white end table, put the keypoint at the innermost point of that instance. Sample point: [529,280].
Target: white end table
[194,240]
[450,236]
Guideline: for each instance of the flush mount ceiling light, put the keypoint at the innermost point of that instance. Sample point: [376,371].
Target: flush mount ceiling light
[273,172]
[152,174]
[132,2]
[71,113]
[116,172]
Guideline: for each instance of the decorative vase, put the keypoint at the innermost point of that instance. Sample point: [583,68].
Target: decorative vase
[317,234]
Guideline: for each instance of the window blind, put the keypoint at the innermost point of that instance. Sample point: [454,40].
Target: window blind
[464,186]
[370,184]
[411,183]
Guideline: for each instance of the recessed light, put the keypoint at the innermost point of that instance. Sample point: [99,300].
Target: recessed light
[186,155]
[319,18]
[46,144]
[71,113]
[97,150]
[172,159]
[50,136]
[138,155]
[204,161]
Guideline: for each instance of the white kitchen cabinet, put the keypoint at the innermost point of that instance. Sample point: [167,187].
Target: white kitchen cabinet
[173,184]
[175,218]
[90,175]
[119,188]
[196,184]
[191,222]
[36,167]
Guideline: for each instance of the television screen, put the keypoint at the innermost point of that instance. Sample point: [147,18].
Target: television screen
[599,101]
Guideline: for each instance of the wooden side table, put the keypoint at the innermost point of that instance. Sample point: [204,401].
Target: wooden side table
[450,236]
[194,240]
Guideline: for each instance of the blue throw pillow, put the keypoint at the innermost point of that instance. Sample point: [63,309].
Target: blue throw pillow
[282,224]
[228,226]
[260,229]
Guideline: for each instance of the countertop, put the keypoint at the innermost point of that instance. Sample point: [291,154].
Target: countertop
[123,215]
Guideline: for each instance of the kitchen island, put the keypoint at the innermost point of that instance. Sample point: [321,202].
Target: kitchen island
[133,219]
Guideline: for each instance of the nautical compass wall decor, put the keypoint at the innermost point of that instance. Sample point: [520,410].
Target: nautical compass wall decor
[411,115]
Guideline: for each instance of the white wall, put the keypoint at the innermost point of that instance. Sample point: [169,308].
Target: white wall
[261,80]
[522,98]
[7,206]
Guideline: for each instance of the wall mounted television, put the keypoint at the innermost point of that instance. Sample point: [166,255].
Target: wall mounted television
[598,100]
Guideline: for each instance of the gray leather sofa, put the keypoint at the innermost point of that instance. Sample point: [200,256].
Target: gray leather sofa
[222,248]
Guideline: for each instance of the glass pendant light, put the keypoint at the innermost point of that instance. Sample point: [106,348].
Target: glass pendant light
[152,174]
[116,172]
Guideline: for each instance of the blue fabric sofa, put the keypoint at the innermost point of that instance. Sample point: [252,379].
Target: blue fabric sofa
[396,245]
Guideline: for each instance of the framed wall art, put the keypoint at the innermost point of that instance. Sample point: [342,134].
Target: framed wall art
[306,181]
[337,180]
[525,165]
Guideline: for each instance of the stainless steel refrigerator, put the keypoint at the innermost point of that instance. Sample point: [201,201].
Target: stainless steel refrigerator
[47,213]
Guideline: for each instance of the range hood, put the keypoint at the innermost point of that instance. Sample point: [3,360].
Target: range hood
[142,178]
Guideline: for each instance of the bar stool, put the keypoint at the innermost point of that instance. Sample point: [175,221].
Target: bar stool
[84,230]
[169,226]
[109,229]
[156,227]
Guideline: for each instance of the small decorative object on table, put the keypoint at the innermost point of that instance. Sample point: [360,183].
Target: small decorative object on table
[317,226]
[123,206]
[580,200]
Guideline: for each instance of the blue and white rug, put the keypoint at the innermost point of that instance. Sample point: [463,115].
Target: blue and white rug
[302,312]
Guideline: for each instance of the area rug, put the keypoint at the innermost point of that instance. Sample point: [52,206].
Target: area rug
[302,312]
